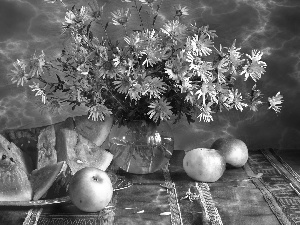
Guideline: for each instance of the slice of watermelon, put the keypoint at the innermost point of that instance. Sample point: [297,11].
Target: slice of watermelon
[21,158]
[42,179]
[14,183]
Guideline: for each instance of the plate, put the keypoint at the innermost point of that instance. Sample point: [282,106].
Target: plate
[36,203]
[118,182]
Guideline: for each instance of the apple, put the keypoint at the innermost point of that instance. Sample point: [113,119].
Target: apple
[90,189]
[233,150]
[203,164]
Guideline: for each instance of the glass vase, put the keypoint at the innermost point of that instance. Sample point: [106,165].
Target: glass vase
[141,148]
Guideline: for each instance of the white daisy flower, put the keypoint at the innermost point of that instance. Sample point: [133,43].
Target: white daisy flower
[19,75]
[160,109]
[255,68]
[120,17]
[181,11]
[206,113]
[39,91]
[201,45]
[275,101]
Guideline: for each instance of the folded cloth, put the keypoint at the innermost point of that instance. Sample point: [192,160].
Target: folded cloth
[280,185]
[169,196]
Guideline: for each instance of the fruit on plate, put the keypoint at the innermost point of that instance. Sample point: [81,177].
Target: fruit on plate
[203,164]
[233,150]
[79,152]
[60,186]
[90,189]
[46,152]
[94,131]
[19,157]
[14,184]
[42,179]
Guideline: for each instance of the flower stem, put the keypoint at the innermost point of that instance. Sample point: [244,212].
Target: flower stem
[105,30]
[108,89]
[138,10]
[125,30]
[155,17]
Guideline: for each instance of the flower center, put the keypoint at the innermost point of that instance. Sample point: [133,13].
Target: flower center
[107,65]
[96,14]
[197,61]
[122,20]
[178,12]
[55,104]
[175,70]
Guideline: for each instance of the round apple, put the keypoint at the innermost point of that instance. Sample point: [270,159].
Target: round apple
[90,189]
[234,151]
[203,164]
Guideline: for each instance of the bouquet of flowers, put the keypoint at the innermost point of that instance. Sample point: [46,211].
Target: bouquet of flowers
[151,73]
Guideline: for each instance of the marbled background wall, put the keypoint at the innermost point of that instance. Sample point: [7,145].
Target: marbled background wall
[272,26]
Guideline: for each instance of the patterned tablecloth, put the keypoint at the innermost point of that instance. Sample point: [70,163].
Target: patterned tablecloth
[265,191]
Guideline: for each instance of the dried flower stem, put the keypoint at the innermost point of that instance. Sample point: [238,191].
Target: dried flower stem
[155,17]
[105,31]
[125,30]
[139,12]
[115,97]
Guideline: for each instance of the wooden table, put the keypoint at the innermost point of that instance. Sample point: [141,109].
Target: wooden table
[169,196]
